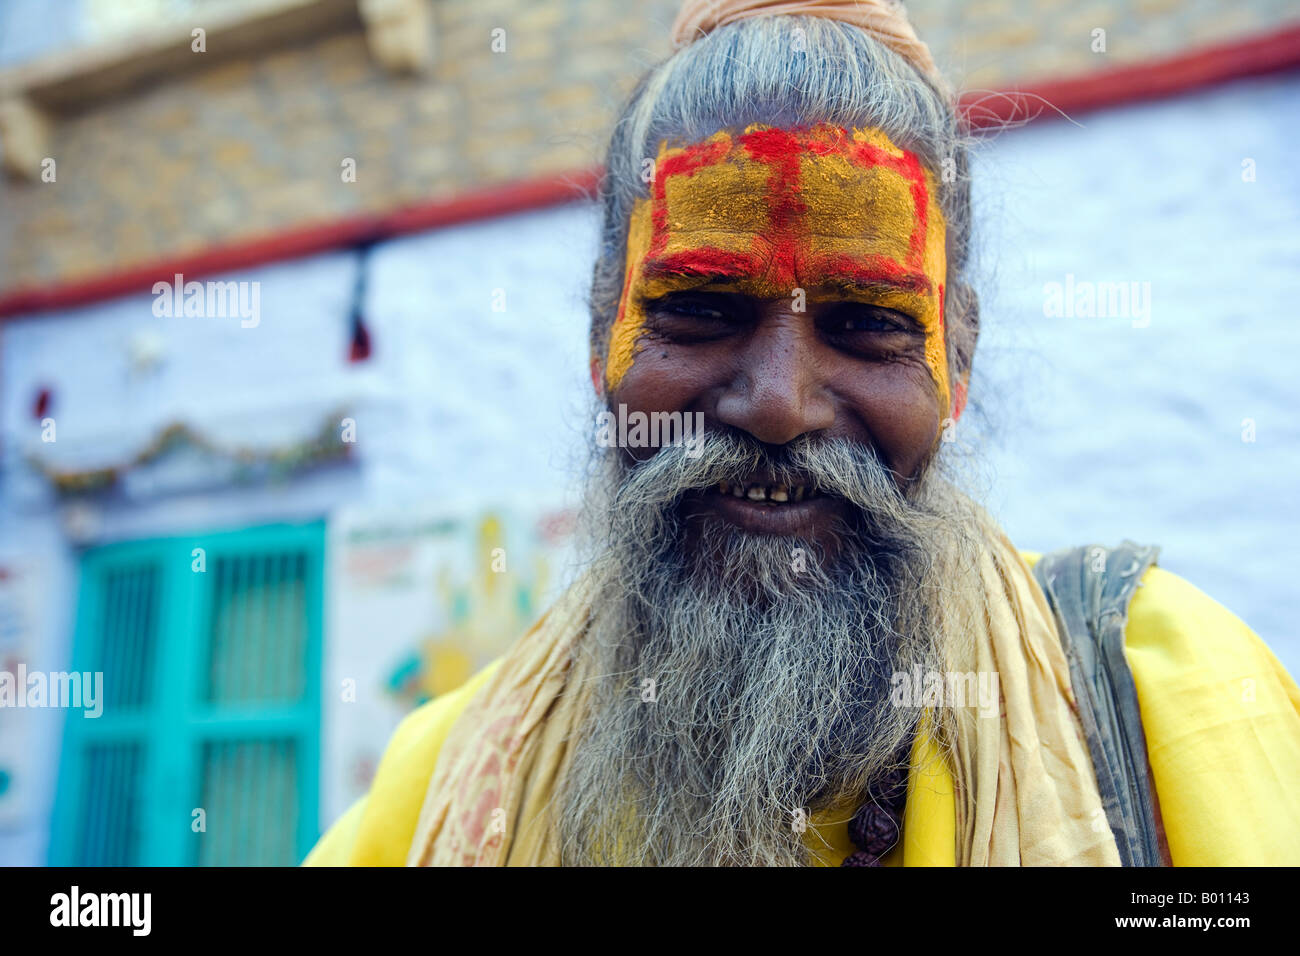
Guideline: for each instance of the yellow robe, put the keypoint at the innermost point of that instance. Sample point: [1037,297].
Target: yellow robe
[1220,713]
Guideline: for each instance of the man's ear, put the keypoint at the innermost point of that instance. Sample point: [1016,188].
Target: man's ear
[959,398]
[598,377]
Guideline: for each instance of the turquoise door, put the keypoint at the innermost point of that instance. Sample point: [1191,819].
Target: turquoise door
[207,751]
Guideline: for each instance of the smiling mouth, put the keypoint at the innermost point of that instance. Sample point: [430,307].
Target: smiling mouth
[767,507]
[767,493]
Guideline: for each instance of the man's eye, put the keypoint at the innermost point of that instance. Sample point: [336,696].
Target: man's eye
[868,319]
[691,308]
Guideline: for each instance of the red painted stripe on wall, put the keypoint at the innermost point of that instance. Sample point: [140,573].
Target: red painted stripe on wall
[308,240]
[1183,73]
[1172,76]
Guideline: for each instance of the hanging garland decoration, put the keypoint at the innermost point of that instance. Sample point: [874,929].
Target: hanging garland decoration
[326,445]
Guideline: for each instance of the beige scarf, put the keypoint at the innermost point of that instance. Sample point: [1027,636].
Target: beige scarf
[1026,790]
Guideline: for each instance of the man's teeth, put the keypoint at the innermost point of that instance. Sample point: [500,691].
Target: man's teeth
[778,494]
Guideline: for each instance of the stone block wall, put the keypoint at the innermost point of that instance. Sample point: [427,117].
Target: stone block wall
[254,147]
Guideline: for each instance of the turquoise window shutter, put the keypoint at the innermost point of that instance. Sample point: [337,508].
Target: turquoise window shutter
[212,702]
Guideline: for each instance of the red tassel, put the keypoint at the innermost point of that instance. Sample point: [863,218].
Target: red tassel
[360,349]
[42,406]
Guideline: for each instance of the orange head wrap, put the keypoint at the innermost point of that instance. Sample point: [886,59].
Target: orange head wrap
[886,20]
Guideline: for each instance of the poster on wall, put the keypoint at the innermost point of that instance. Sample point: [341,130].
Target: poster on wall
[419,599]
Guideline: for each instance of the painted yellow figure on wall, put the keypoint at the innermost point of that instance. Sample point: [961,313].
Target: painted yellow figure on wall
[484,609]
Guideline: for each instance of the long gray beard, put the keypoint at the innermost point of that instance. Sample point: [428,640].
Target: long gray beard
[744,684]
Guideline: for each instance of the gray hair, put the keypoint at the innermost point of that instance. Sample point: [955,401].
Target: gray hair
[788,71]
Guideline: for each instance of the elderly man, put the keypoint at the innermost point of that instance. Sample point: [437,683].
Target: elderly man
[796,641]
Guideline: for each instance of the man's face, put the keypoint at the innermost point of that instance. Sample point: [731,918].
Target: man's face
[788,290]
[783,284]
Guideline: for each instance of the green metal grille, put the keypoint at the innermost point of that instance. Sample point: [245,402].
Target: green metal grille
[207,751]
[257,642]
[249,793]
[128,635]
[110,806]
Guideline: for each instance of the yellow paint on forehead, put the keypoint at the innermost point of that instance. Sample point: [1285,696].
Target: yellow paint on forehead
[630,322]
[784,210]
[719,201]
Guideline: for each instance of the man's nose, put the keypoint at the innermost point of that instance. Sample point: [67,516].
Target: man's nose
[777,392]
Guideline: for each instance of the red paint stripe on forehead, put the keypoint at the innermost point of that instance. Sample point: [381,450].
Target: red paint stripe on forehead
[782,262]
[689,159]
[869,271]
[781,150]
[705,262]
[772,145]
[921,208]
[709,262]
[908,166]
[869,156]
[685,163]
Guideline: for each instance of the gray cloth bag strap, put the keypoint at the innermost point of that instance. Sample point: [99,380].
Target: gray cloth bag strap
[1089,589]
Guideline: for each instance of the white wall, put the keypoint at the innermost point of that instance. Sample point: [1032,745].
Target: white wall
[30,28]
[1105,431]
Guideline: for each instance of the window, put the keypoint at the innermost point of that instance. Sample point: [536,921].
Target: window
[207,750]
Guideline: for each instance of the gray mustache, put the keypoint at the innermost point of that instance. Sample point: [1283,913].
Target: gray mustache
[834,466]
